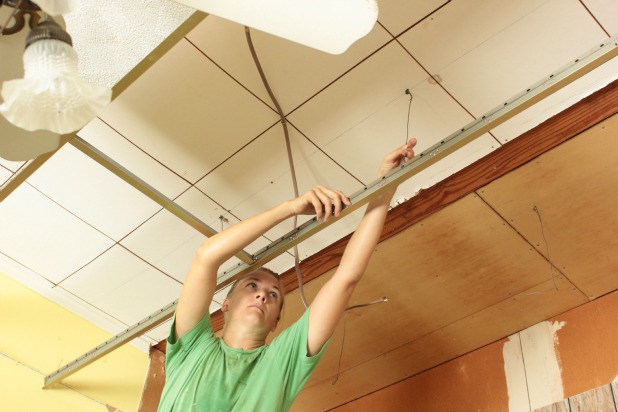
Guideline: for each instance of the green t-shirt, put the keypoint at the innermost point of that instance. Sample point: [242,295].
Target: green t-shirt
[204,374]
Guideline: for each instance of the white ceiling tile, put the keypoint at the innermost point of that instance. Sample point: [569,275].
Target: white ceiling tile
[399,15]
[344,105]
[5,174]
[606,12]
[115,37]
[521,55]
[167,243]
[294,72]
[558,101]
[361,148]
[215,118]
[25,275]
[41,235]
[281,263]
[461,26]
[177,249]
[11,165]
[93,193]
[330,234]
[122,151]
[160,332]
[202,207]
[123,285]
[259,174]
[268,182]
[221,294]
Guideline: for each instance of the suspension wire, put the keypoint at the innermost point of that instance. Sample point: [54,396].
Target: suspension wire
[408,92]
[290,158]
[535,209]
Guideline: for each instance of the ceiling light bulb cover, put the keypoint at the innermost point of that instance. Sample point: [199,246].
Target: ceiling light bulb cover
[327,25]
[57,7]
[51,96]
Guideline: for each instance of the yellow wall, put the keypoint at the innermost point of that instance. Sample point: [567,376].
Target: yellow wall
[38,336]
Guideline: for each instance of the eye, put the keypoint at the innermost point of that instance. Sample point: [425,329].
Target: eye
[274,295]
[251,285]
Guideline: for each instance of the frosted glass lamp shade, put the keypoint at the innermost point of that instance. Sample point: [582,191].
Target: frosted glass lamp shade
[57,7]
[328,25]
[51,95]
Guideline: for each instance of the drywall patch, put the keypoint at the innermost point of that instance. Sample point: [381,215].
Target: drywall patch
[542,363]
[515,375]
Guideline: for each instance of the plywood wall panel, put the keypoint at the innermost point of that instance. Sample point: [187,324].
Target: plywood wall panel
[474,382]
[588,344]
[460,337]
[573,188]
[455,263]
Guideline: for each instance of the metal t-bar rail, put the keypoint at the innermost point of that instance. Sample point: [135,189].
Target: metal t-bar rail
[168,204]
[555,81]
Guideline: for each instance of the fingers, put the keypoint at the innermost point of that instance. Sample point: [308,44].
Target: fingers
[327,202]
[397,157]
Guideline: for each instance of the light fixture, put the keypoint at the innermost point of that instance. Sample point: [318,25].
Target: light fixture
[327,25]
[51,96]
[57,7]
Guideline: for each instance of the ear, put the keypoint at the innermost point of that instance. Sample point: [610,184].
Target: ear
[224,305]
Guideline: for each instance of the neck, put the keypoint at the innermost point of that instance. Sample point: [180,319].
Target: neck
[242,339]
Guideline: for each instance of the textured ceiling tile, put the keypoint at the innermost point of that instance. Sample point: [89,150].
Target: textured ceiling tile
[25,275]
[111,40]
[330,234]
[11,165]
[95,195]
[521,55]
[5,175]
[399,15]
[167,243]
[187,113]
[251,190]
[121,151]
[376,131]
[123,285]
[219,219]
[44,237]
[606,12]
[263,166]
[558,101]
[462,26]
[294,72]
[369,88]
[202,207]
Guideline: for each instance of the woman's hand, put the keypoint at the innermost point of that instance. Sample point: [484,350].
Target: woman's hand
[321,201]
[396,158]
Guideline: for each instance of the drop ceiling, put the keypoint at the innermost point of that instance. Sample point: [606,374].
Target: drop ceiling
[193,120]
